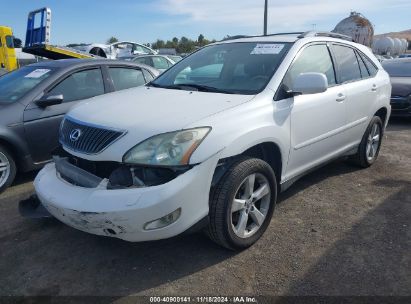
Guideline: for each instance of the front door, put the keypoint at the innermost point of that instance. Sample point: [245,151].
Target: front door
[317,120]
[42,124]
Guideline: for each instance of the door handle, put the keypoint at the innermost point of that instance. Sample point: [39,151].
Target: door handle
[340,97]
[374,88]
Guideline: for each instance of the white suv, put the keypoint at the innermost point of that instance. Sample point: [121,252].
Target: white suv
[215,138]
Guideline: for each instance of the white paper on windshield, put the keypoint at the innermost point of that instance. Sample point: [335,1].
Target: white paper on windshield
[37,73]
[267,48]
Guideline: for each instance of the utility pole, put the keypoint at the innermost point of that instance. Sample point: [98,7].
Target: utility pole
[265,17]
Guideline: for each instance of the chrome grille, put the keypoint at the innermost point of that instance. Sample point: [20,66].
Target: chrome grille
[84,138]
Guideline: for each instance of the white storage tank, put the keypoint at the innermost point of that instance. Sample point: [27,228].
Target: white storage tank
[405,45]
[358,27]
[397,46]
[384,46]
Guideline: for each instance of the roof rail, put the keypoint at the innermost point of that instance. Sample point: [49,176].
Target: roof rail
[325,34]
[255,36]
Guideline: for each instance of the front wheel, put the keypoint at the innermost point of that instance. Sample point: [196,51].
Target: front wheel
[7,169]
[242,203]
[370,144]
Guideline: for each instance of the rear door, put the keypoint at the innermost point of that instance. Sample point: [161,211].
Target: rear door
[42,124]
[317,120]
[360,86]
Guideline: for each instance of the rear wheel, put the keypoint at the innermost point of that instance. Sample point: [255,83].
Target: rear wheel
[7,169]
[370,144]
[242,204]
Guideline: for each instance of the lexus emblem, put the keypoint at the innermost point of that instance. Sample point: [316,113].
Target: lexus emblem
[75,135]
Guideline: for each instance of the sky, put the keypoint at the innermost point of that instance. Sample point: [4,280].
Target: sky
[75,21]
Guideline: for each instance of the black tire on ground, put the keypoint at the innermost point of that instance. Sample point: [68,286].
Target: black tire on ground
[220,228]
[361,158]
[13,169]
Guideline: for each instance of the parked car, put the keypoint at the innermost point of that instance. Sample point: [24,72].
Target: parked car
[214,149]
[159,62]
[34,99]
[400,73]
[404,56]
[116,50]
[175,58]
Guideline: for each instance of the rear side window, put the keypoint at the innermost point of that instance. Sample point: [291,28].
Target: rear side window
[363,68]
[160,63]
[124,78]
[372,69]
[348,68]
[143,60]
[315,58]
[80,85]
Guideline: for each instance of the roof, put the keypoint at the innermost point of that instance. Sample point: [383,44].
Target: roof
[286,37]
[268,38]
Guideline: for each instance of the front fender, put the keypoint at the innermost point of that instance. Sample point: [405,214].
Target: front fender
[237,130]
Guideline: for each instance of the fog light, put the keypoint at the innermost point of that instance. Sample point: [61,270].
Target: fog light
[164,221]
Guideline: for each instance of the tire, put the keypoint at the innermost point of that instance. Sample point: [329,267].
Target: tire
[363,158]
[7,169]
[226,222]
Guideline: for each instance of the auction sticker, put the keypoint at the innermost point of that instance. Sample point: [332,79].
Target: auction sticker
[37,73]
[267,48]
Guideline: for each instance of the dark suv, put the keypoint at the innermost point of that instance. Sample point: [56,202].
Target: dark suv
[34,99]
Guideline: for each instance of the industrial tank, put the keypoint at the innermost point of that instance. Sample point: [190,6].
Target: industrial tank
[397,46]
[384,46]
[405,45]
[358,27]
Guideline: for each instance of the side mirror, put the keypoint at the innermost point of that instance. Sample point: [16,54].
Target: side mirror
[310,83]
[49,100]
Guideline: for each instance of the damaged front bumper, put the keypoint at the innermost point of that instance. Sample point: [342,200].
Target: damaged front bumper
[123,213]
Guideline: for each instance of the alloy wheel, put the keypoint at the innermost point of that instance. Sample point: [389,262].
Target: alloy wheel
[4,169]
[373,142]
[250,205]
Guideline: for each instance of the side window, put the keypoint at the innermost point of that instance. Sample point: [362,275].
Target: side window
[147,75]
[315,58]
[80,85]
[363,68]
[9,42]
[160,62]
[372,69]
[125,78]
[348,68]
[143,60]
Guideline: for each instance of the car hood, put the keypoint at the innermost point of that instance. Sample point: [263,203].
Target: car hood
[147,111]
[401,86]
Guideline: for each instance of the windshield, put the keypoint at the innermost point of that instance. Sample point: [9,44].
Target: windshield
[398,69]
[232,68]
[16,84]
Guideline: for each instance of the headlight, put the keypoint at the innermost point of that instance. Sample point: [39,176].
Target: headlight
[168,149]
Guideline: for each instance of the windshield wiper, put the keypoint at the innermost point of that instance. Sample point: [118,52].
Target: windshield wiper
[199,87]
[153,84]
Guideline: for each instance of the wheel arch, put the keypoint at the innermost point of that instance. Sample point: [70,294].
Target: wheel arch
[383,114]
[267,151]
[17,150]
[11,148]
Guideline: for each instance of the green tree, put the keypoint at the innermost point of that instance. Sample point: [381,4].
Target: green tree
[112,40]
[200,39]
[175,42]
[159,44]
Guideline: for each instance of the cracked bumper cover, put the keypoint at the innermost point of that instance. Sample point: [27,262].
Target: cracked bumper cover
[122,213]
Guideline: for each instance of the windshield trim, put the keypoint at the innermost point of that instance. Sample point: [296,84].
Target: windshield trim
[234,91]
